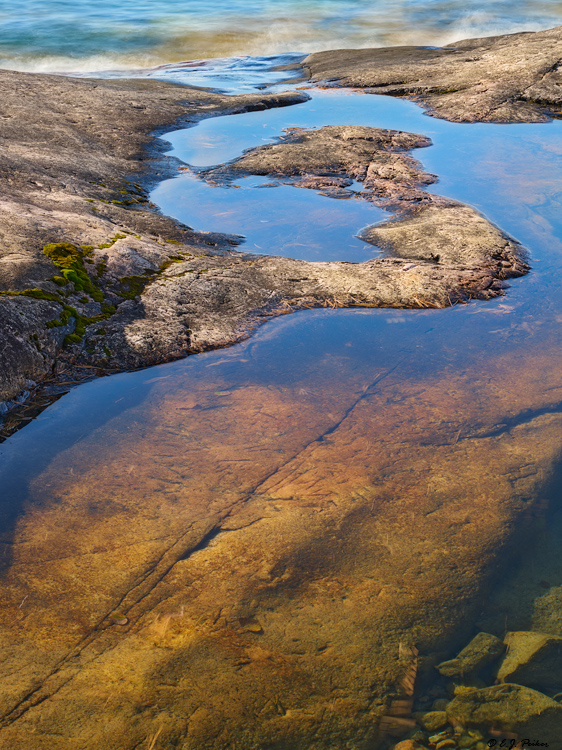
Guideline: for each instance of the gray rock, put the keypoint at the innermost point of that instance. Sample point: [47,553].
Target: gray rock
[163,291]
[69,149]
[510,708]
[71,143]
[481,650]
[533,659]
[510,78]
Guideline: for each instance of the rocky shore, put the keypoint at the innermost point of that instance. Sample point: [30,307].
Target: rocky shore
[510,78]
[92,275]
[218,572]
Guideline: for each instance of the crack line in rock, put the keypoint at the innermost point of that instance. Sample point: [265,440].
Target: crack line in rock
[33,699]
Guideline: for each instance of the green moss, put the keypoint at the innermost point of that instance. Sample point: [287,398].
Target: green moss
[101,331]
[112,240]
[35,293]
[72,338]
[101,268]
[63,254]
[71,275]
[171,260]
[64,317]
[70,260]
[106,351]
[132,286]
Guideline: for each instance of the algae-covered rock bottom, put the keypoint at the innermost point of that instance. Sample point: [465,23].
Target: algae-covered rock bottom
[205,570]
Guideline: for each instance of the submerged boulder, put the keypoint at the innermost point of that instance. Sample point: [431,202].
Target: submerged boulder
[510,708]
[533,659]
[479,653]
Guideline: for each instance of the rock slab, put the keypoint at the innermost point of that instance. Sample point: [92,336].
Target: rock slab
[533,659]
[509,78]
[481,650]
[511,708]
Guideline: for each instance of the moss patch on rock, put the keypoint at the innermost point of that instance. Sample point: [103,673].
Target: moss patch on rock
[70,260]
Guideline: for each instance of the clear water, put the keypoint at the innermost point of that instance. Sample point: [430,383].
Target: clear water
[80,36]
[491,167]
[300,223]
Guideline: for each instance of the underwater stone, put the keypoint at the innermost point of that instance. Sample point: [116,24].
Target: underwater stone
[481,650]
[510,708]
[433,720]
[408,745]
[533,659]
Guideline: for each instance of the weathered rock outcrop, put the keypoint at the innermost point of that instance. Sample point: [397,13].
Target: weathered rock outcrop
[510,78]
[483,649]
[68,147]
[89,274]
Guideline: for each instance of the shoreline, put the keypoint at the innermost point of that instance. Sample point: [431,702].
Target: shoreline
[96,305]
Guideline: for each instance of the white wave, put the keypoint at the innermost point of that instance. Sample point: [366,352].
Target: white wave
[69,65]
[279,36]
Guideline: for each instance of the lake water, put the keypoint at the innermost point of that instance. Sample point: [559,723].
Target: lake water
[77,35]
[354,482]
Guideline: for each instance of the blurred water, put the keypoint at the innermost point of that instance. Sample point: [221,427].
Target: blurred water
[79,36]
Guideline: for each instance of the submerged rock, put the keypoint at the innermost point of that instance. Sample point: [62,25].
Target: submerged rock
[533,659]
[510,708]
[480,652]
[433,720]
